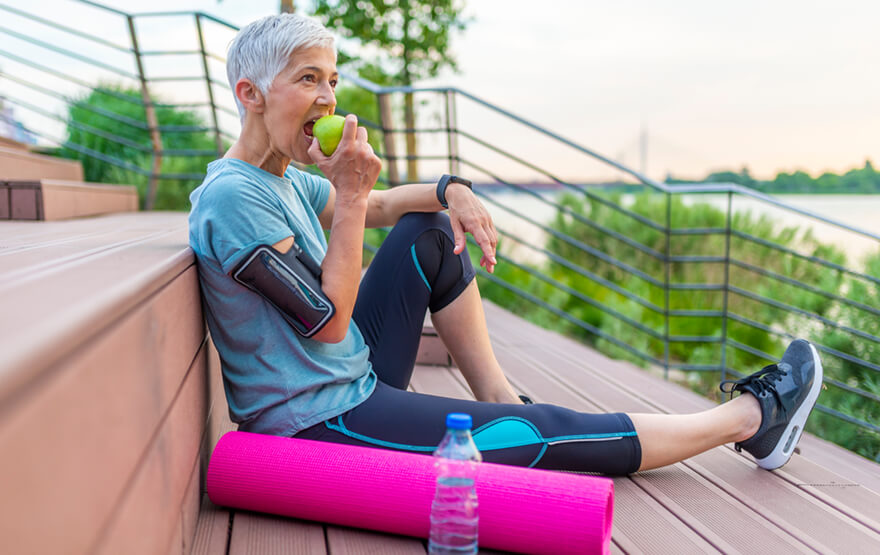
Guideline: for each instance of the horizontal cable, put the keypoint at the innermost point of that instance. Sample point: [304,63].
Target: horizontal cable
[808,314]
[620,237]
[574,242]
[694,339]
[696,286]
[817,260]
[834,352]
[173,78]
[564,315]
[89,152]
[81,126]
[580,189]
[698,231]
[578,295]
[698,313]
[751,350]
[44,69]
[698,258]
[587,274]
[70,30]
[805,287]
[171,53]
[82,104]
[68,53]
[848,418]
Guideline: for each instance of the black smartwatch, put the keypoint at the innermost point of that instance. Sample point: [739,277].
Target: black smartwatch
[444,182]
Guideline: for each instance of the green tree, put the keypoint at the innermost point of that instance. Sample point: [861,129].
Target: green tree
[412,36]
[107,133]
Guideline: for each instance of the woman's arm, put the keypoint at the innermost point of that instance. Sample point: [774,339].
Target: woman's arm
[353,169]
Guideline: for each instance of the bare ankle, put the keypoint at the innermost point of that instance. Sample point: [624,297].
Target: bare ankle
[751,419]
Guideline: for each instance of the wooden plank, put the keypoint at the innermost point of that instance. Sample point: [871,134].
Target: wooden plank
[665,396]
[85,292]
[738,470]
[153,496]
[17,164]
[261,534]
[71,440]
[212,529]
[189,510]
[70,199]
[352,541]
[644,526]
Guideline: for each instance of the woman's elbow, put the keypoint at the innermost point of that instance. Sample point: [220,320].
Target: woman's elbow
[334,331]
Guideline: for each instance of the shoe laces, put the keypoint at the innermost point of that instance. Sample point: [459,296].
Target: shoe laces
[761,381]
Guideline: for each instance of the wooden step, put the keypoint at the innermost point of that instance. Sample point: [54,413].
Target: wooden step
[17,164]
[104,392]
[57,199]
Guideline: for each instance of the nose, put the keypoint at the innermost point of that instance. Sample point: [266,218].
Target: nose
[326,95]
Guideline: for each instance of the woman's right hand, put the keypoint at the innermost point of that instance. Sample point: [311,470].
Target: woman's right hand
[353,168]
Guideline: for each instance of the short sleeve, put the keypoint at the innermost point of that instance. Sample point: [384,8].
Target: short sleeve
[236,217]
[315,188]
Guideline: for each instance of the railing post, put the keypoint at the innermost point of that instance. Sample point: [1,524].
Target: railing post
[726,286]
[217,139]
[152,120]
[666,282]
[452,133]
[386,118]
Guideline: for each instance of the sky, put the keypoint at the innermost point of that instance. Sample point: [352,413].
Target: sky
[681,87]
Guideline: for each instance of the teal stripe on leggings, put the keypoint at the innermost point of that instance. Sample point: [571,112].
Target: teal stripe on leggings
[415,258]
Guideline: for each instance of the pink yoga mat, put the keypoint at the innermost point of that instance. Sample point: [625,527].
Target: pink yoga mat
[521,509]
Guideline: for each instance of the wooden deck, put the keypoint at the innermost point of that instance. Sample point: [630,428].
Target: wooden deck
[825,500]
[111,400]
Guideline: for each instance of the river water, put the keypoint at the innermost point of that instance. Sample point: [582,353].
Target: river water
[856,211]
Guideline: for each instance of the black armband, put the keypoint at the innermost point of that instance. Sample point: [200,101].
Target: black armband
[291,282]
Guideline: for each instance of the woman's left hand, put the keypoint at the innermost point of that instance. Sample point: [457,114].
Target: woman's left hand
[468,215]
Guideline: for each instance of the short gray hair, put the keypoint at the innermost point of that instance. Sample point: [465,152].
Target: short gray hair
[263,48]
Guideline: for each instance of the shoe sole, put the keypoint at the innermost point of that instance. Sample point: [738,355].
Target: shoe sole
[789,439]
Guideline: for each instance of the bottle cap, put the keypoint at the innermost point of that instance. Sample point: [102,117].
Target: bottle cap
[459,421]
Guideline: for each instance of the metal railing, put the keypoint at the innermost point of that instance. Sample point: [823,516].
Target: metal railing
[617,264]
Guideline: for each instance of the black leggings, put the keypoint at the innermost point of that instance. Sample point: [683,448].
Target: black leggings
[415,269]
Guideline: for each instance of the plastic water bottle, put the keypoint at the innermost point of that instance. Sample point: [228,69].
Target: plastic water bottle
[454,516]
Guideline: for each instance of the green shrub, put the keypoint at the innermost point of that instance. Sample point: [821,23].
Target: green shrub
[762,303]
[110,120]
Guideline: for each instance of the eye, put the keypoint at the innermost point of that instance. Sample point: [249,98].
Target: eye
[333,83]
[309,78]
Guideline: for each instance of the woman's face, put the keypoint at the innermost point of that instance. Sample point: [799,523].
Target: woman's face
[299,95]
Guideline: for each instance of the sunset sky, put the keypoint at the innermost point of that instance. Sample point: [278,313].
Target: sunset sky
[779,85]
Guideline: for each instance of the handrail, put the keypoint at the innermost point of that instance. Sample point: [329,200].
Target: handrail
[644,288]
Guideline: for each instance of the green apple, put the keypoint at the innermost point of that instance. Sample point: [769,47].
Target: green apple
[328,131]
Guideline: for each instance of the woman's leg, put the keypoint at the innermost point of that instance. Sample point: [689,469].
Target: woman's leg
[669,438]
[415,270]
[542,436]
[462,326]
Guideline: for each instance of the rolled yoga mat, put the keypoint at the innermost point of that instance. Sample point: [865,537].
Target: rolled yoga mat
[520,509]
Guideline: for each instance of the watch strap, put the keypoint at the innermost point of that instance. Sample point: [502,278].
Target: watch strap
[444,183]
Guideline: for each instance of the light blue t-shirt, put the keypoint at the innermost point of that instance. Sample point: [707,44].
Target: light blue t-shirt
[276,381]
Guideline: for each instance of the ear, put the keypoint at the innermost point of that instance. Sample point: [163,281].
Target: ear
[250,96]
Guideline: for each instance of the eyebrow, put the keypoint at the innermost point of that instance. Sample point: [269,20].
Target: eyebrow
[318,70]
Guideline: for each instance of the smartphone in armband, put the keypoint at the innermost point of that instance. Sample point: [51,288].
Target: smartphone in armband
[291,282]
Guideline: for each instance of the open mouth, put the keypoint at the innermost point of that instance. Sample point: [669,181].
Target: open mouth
[309,126]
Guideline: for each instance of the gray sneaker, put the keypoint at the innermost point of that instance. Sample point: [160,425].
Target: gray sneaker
[786,392]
